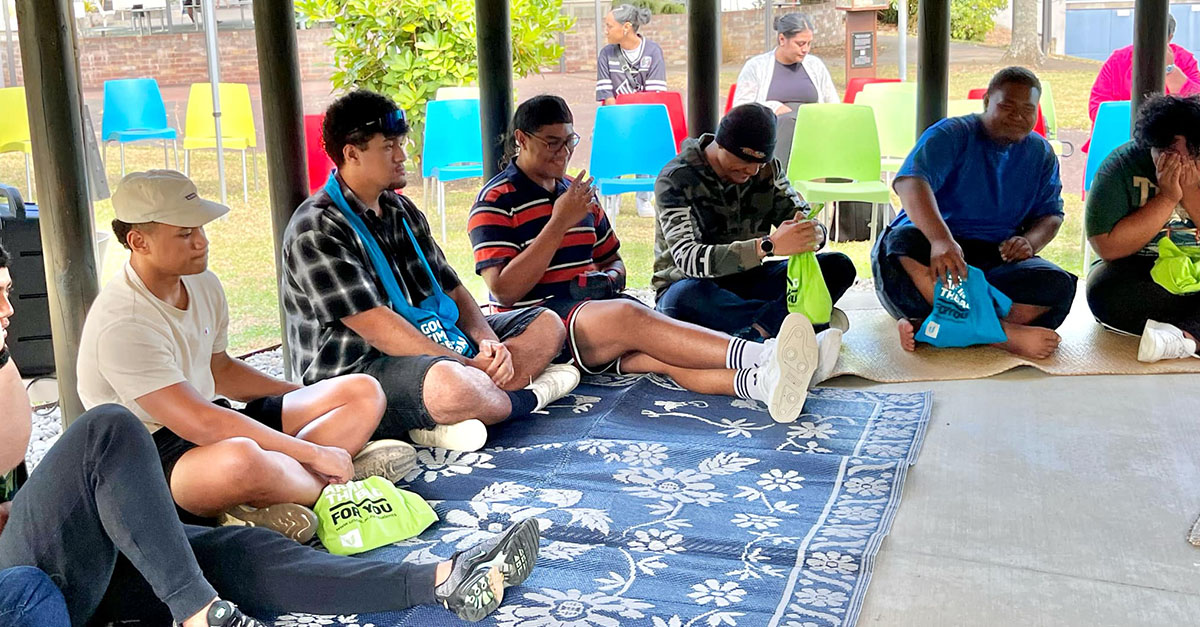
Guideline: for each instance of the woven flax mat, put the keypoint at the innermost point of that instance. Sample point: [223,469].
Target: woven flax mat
[871,350]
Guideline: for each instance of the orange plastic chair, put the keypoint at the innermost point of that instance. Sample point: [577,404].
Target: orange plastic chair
[856,84]
[674,102]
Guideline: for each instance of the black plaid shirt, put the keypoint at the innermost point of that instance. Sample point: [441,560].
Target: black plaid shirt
[328,276]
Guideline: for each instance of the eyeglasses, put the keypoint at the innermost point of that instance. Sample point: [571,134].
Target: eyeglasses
[394,124]
[556,145]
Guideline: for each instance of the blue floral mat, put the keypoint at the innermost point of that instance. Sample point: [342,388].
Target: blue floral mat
[664,508]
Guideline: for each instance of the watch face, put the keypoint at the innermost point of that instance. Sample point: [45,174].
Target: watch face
[767,245]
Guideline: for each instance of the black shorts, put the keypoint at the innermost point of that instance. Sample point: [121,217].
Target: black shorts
[403,378]
[267,410]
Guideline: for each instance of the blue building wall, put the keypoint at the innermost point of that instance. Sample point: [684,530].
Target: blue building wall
[1095,33]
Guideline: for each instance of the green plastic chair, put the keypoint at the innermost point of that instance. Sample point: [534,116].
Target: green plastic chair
[837,141]
[1051,117]
[896,123]
[960,107]
[906,87]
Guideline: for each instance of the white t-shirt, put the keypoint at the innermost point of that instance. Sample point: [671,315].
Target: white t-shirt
[134,344]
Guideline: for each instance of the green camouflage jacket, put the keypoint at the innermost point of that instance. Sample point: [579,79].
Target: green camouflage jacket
[708,228]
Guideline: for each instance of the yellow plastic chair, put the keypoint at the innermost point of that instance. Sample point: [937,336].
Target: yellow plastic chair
[14,130]
[237,125]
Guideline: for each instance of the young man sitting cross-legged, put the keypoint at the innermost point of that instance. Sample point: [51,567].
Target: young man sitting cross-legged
[155,341]
[541,239]
[368,290]
[983,190]
[91,537]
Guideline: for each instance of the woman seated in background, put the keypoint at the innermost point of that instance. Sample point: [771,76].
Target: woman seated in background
[786,77]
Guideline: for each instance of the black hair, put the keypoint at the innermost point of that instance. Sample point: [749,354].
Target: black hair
[1014,74]
[4,258]
[1170,27]
[531,116]
[1161,118]
[121,230]
[629,14]
[791,24]
[345,118]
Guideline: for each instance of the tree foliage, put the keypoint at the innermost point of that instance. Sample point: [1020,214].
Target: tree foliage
[407,49]
[970,20]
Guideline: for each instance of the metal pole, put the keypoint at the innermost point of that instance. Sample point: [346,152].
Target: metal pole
[493,37]
[902,31]
[768,25]
[1047,19]
[65,215]
[8,44]
[287,166]
[704,66]
[933,62]
[1149,51]
[170,18]
[599,28]
[214,78]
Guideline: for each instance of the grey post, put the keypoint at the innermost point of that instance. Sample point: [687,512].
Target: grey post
[65,214]
[1149,51]
[933,62]
[704,66]
[287,165]
[494,40]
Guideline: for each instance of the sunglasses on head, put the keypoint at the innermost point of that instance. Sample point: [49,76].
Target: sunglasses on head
[392,124]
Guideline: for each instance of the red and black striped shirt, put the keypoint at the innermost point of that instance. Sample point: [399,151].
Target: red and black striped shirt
[507,216]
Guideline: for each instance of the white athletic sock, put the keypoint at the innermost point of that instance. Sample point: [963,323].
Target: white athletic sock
[744,353]
[744,384]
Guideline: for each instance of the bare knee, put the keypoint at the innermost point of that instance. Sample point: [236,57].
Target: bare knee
[365,392]
[548,328]
[454,392]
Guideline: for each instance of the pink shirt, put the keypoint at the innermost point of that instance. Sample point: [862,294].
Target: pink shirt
[1115,81]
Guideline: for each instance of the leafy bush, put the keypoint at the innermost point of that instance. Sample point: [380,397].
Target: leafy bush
[407,49]
[658,7]
[970,20]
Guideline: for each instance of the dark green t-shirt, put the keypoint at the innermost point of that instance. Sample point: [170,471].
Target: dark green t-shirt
[11,481]
[1124,183]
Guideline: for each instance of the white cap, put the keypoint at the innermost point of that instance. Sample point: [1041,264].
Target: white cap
[163,196]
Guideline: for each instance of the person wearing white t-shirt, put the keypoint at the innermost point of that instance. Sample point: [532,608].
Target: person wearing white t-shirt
[155,342]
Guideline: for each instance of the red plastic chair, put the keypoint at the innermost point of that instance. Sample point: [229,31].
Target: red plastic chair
[674,102]
[319,163]
[856,84]
[1039,127]
[729,98]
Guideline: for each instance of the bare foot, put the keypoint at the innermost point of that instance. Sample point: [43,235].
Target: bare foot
[908,334]
[1031,342]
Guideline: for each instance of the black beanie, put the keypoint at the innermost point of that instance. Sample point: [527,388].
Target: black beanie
[748,131]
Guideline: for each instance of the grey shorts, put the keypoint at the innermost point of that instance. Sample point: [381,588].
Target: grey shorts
[403,378]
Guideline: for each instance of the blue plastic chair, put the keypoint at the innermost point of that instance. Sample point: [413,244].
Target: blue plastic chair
[453,146]
[633,139]
[1110,131]
[134,111]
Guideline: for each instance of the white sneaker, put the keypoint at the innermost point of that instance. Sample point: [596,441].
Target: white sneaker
[829,346]
[1164,341]
[783,380]
[390,459]
[555,382]
[839,320]
[290,519]
[466,436]
[645,206]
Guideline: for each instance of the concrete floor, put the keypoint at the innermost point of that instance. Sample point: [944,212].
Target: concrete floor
[1043,500]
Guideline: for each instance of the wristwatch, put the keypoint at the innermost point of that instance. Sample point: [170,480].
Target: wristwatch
[767,246]
[4,356]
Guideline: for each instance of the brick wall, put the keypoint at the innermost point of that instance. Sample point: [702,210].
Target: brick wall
[741,35]
[179,58]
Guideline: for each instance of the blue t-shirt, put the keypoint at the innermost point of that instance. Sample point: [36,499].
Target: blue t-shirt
[984,191]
